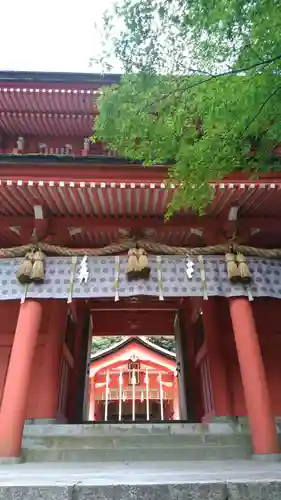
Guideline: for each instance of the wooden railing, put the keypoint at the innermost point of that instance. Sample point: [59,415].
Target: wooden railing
[140,394]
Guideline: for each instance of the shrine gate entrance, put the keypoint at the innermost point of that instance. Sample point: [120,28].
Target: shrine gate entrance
[166,379]
[221,372]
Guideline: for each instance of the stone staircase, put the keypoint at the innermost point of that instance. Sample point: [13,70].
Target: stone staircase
[105,442]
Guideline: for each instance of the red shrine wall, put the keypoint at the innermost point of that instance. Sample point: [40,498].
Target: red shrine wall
[266,312]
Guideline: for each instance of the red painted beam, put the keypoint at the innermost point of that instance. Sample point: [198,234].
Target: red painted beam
[83,173]
[59,224]
[177,222]
[141,305]
[133,323]
[109,173]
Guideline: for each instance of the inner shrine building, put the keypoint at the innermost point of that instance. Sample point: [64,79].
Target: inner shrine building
[70,211]
[133,380]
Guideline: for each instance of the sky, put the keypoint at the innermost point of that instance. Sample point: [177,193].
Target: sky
[56,35]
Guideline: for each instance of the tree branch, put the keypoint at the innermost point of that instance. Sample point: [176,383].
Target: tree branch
[240,70]
[262,106]
[218,75]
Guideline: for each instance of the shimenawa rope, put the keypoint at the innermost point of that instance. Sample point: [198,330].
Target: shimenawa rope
[148,246]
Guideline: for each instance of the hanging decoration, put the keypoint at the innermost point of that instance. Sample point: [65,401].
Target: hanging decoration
[25,268]
[189,267]
[249,292]
[137,267]
[159,276]
[232,269]
[132,270]
[203,276]
[83,272]
[24,274]
[32,268]
[245,275]
[143,266]
[237,268]
[38,270]
[149,246]
[116,277]
[72,279]
[23,297]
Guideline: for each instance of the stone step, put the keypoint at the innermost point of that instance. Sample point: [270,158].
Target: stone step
[135,441]
[193,453]
[132,429]
[212,480]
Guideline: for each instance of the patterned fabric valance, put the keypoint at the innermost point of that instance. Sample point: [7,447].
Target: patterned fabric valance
[168,278]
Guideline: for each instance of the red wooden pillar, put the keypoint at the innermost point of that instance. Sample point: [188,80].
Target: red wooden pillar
[52,359]
[176,409]
[92,400]
[98,411]
[14,401]
[256,391]
[213,339]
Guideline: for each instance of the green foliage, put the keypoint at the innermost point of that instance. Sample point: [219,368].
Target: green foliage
[101,343]
[201,85]
[164,342]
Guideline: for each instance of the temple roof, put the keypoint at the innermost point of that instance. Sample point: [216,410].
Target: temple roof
[58,77]
[54,104]
[95,200]
[100,203]
[133,340]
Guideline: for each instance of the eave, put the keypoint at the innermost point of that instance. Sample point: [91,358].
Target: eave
[133,340]
[50,104]
[104,208]
[57,77]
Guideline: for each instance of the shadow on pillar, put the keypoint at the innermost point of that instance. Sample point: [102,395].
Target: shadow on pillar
[82,369]
[187,372]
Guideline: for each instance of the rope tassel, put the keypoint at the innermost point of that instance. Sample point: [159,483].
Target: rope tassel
[132,270]
[38,271]
[244,271]
[25,269]
[232,268]
[143,266]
